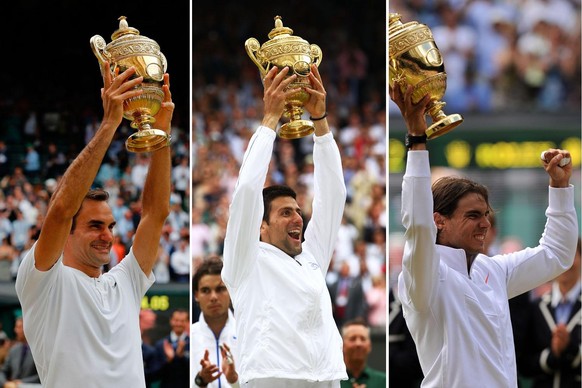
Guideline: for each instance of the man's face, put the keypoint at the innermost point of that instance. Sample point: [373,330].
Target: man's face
[213,297]
[357,344]
[19,330]
[468,226]
[90,242]
[285,226]
[179,322]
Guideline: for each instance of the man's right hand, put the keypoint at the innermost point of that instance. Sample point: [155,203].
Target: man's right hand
[116,90]
[275,94]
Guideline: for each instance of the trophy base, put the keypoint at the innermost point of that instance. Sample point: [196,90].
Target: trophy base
[296,129]
[443,126]
[147,140]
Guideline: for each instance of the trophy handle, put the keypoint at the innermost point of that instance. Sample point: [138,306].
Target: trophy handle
[316,54]
[252,47]
[164,62]
[98,46]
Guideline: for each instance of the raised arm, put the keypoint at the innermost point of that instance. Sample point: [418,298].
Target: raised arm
[420,262]
[246,208]
[77,180]
[156,192]
[329,186]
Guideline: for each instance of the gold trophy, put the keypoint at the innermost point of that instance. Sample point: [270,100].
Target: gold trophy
[415,58]
[283,49]
[128,48]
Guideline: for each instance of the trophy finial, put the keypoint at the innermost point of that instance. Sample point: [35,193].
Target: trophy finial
[279,29]
[124,29]
[123,22]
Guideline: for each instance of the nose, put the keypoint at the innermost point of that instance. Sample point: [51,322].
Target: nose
[298,218]
[107,235]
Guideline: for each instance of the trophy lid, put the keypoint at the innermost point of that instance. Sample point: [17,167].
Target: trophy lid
[396,27]
[124,29]
[394,18]
[279,29]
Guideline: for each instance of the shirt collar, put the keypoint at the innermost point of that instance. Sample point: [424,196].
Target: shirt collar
[174,337]
[571,296]
[453,258]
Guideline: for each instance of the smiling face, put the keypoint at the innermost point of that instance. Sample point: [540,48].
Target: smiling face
[356,343]
[284,226]
[90,241]
[467,227]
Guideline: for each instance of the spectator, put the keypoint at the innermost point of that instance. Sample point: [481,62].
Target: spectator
[347,295]
[180,260]
[215,331]
[19,367]
[357,346]
[173,351]
[151,361]
[549,351]
[403,365]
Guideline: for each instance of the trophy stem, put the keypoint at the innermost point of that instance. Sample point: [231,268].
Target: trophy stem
[443,124]
[147,139]
[296,127]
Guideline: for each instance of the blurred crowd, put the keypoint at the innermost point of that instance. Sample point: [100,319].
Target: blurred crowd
[227,108]
[504,55]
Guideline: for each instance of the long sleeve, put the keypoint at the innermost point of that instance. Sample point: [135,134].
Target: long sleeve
[328,201]
[420,260]
[246,209]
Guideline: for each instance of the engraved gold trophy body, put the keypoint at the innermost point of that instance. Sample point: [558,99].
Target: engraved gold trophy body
[415,58]
[128,48]
[283,49]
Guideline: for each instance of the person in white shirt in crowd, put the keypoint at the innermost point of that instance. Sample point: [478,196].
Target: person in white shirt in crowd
[213,336]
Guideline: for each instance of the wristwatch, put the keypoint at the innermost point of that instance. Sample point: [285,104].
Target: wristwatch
[199,381]
[409,140]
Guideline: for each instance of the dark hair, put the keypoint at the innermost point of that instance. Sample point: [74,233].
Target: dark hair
[448,191]
[210,266]
[99,195]
[271,193]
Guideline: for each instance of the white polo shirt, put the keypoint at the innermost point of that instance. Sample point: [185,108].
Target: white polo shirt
[84,331]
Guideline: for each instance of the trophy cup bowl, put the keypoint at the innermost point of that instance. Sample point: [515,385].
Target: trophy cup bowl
[285,50]
[415,58]
[128,48]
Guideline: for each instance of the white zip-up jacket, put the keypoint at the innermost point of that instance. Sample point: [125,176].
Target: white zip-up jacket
[460,322]
[202,338]
[283,313]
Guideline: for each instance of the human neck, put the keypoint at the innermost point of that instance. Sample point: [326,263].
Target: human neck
[356,367]
[216,324]
[470,259]
[566,285]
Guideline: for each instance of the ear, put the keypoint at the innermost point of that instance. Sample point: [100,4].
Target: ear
[264,228]
[439,220]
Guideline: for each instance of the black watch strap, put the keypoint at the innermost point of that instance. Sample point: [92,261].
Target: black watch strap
[409,140]
[199,381]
